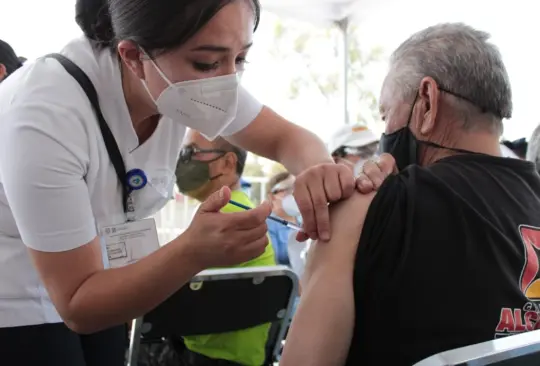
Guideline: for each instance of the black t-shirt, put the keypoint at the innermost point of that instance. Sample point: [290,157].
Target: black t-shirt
[448,258]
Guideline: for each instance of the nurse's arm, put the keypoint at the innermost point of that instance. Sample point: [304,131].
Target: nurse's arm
[90,299]
[323,325]
[275,138]
[44,160]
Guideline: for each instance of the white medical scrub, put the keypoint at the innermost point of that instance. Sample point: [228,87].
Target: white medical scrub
[57,184]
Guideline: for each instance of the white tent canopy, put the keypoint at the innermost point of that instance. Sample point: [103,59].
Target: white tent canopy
[324,11]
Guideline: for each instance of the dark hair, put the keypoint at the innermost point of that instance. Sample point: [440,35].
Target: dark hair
[241,156]
[9,58]
[155,25]
[276,179]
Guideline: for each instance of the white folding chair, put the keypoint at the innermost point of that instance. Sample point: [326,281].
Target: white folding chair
[522,349]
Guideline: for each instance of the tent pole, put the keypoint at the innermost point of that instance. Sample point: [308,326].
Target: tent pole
[343,26]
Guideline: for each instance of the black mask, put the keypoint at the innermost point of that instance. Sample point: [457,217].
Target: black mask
[403,145]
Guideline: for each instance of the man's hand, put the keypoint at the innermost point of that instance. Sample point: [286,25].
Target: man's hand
[313,190]
[374,172]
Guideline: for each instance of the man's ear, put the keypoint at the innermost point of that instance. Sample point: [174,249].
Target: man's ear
[132,56]
[229,160]
[3,72]
[429,95]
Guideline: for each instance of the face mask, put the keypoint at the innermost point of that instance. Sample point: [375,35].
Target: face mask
[289,206]
[403,145]
[192,175]
[205,105]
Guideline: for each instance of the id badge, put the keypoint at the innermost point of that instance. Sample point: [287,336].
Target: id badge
[127,243]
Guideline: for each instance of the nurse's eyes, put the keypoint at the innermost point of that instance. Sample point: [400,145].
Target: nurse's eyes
[205,67]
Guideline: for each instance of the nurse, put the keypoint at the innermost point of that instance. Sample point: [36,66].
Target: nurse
[88,145]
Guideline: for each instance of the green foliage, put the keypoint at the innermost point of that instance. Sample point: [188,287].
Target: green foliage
[306,43]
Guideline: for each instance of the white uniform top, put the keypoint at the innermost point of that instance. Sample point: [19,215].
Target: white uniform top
[57,184]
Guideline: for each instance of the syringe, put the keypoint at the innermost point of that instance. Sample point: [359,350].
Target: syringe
[271,217]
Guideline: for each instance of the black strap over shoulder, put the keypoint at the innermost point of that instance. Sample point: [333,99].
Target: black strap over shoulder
[110,142]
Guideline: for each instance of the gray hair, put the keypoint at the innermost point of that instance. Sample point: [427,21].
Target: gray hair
[533,150]
[462,62]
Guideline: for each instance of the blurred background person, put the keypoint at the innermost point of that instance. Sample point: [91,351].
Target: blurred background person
[515,149]
[353,145]
[246,187]
[280,190]
[9,61]
[204,167]
[533,148]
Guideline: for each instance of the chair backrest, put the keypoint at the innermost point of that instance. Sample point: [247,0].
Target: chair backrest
[522,349]
[224,300]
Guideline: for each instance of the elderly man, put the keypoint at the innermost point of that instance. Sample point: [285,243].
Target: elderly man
[446,253]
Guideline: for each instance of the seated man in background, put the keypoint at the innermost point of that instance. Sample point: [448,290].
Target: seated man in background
[445,254]
[205,167]
[353,146]
[9,62]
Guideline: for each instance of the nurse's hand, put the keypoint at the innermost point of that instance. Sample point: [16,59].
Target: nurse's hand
[374,172]
[313,190]
[216,239]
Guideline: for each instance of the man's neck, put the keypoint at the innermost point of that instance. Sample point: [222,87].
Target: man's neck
[476,142]
[236,186]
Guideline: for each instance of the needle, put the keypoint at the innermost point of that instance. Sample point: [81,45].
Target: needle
[271,217]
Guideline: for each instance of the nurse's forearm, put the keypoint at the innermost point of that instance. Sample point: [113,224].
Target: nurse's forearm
[301,149]
[115,296]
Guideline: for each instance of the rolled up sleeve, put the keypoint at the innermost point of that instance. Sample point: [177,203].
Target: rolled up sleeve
[43,161]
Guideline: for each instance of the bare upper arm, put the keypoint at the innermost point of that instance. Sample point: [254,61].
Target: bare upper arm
[338,255]
[63,273]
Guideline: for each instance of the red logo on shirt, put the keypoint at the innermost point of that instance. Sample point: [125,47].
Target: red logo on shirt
[530,281]
[518,320]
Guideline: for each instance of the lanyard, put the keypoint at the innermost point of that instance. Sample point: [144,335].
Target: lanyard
[108,138]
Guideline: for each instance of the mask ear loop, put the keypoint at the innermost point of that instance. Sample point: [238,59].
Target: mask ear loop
[160,72]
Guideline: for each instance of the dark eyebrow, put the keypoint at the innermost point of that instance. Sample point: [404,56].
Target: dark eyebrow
[214,48]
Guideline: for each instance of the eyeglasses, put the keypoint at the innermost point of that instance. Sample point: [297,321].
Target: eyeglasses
[187,153]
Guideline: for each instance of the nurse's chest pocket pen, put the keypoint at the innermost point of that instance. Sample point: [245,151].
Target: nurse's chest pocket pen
[271,217]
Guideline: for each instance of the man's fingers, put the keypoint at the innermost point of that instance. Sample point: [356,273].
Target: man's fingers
[387,164]
[374,172]
[364,184]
